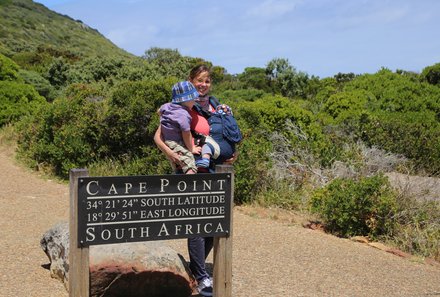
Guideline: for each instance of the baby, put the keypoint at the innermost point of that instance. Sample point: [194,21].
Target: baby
[223,135]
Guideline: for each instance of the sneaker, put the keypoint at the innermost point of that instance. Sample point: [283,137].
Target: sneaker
[202,163]
[205,287]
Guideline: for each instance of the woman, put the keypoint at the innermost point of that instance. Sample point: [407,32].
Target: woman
[198,247]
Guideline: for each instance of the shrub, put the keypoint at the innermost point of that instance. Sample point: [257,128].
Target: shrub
[41,85]
[414,135]
[349,207]
[64,134]
[17,99]
[392,92]
[346,105]
[131,118]
[150,162]
[8,69]
[251,167]
[87,126]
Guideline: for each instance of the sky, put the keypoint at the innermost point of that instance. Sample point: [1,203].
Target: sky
[318,37]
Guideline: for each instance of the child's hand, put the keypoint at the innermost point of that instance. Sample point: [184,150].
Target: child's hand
[196,150]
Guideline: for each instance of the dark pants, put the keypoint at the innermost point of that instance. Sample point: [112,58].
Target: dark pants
[199,248]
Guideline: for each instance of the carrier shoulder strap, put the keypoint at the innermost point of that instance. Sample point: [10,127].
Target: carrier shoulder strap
[206,114]
[214,101]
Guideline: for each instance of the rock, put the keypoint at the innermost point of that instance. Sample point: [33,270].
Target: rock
[379,246]
[55,243]
[138,269]
[399,253]
[131,269]
[361,239]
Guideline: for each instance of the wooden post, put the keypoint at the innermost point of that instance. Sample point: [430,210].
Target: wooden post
[223,249]
[79,275]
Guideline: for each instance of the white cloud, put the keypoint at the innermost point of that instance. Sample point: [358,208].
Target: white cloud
[272,8]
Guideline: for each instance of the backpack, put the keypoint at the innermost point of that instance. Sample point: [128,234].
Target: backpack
[230,127]
[230,130]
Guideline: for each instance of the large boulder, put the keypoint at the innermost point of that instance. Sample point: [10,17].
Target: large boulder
[55,244]
[149,268]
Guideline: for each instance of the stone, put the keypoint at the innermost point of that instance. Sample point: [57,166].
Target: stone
[138,269]
[55,244]
[148,268]
[361,239]
[379,246]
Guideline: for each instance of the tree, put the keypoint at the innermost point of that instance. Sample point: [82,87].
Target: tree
[162,56]
[285,80]
[254,77]
[277,67]
[169,62]
[431,74]
[344,77]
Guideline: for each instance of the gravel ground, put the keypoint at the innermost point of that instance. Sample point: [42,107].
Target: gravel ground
[270,257]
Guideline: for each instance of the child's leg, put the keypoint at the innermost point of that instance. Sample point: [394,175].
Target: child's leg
[207,152]
[186,157]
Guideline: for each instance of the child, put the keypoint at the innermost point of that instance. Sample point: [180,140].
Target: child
[223,135]
[175,124]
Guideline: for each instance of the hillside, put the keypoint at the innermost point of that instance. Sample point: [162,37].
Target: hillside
[26,25]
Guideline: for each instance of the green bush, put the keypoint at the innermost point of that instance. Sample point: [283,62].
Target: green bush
[64,134]
[131,118]
[416,135]
[363,207]
[16,100]
[89,125]
[251,167]
[393,92]
[8,69]
[42,85]
[150,162]
[346,105]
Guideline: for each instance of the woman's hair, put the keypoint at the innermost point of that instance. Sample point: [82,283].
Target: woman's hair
[197,70]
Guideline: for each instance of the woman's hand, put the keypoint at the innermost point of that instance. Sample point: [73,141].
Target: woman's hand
[172,156]
[231,160]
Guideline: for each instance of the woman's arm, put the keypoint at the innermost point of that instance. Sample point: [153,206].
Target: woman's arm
[172,156]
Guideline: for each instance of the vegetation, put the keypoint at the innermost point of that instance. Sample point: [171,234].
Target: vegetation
[364,207]
[26,26]
[311,144]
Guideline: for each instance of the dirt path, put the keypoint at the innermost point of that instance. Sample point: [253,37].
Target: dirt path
[270,258]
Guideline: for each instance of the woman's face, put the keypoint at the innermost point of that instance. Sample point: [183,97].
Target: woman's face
[202,82]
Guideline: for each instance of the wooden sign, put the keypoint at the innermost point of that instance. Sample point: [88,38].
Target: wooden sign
[141,208]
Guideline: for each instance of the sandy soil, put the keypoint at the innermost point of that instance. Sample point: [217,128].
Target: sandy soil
[270,257]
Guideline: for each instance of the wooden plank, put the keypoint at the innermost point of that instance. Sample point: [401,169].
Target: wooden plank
[223,248]
[79,276]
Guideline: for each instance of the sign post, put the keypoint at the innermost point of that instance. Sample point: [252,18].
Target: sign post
[79,280]
[223,249]
[119,209]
